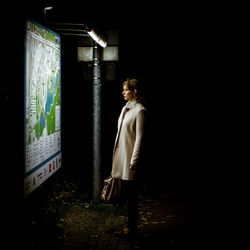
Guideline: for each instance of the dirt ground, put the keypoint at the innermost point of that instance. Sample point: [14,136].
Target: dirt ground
[66,218]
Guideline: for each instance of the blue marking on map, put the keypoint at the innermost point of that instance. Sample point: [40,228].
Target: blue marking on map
[42,121]
[49,101]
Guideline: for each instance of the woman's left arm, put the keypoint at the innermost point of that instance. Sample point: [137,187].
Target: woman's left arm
[140,129]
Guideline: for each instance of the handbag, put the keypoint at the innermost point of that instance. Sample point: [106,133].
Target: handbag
[111,191]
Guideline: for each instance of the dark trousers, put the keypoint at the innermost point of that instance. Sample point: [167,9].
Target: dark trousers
[131,199]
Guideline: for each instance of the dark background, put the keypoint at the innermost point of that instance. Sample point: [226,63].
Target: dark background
[173,49]
[170,48]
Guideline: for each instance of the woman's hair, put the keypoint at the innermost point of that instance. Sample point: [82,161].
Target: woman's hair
[135,86]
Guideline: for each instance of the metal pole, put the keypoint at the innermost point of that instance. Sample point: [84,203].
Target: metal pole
[96,122]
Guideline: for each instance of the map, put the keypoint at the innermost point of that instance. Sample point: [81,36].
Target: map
[42,103]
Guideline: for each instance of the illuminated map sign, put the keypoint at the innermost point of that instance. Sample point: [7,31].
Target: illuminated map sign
[42,105]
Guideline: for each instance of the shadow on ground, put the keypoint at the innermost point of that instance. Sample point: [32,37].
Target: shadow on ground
[65,218]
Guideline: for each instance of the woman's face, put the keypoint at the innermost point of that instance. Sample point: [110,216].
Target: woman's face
[128,95]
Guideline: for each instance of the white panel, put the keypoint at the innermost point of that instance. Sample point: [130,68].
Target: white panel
[85,54]
[110,53]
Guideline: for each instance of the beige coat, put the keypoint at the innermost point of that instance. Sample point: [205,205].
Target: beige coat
[128,141]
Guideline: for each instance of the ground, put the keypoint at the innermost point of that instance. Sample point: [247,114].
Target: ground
[67,219]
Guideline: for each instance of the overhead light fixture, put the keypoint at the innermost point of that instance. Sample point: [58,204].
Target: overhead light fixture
[80,30]
[46,9]
[97,37]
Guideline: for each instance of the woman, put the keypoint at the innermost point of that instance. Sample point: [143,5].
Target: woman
[128,149]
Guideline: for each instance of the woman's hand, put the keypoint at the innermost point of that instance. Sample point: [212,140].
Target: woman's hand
[132,167]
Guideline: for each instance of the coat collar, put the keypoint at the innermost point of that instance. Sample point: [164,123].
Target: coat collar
[131,105]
